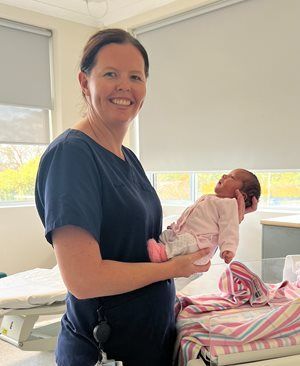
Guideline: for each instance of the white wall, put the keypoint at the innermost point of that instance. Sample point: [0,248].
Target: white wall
[22,243]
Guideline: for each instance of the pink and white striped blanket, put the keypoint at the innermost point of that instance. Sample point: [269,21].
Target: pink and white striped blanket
[246,315]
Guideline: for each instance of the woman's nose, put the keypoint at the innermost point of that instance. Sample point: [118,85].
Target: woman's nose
[123,85]
[224,176]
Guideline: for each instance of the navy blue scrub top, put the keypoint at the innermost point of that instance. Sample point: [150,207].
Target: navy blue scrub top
[81,183]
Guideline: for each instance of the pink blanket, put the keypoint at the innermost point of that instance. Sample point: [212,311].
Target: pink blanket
[246,315]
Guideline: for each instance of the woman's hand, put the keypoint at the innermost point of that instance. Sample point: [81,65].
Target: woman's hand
[241,205]
[253,207]
[184,264]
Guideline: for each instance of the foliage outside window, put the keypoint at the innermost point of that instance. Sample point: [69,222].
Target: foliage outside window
[18,167]
[24,135]
[173,186]
[206,183]
[282,190]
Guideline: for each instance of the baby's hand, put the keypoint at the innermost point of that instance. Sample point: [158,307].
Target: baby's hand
[170,226]
[227,255]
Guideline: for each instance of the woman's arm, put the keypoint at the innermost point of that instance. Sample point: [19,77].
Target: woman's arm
[87,275]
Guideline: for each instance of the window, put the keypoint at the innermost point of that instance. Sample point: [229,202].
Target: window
[280,189]
[25,104]
[24,135]
[18,167]
[174,187]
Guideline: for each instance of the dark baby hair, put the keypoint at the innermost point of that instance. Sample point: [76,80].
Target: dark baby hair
[251,187]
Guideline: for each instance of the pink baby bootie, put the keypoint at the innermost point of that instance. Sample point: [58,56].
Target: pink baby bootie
[156,251]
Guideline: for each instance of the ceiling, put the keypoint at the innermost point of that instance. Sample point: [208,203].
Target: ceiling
[92,12]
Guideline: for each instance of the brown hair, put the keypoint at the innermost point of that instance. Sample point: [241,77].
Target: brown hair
[105,37]
[251,187]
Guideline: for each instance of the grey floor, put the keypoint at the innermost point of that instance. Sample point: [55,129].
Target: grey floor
[13,356]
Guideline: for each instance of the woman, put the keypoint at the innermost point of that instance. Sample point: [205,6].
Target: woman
[99,210]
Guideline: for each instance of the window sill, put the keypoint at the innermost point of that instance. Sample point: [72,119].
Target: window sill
[16,204]
[280,211]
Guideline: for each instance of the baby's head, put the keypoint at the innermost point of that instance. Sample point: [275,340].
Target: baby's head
[241,179]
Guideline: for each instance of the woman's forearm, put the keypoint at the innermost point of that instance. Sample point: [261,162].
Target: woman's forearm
[112,278]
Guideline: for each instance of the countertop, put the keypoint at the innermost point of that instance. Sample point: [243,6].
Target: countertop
[288,221]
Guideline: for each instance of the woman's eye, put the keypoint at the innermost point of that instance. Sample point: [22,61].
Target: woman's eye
[136,77]
[110,74]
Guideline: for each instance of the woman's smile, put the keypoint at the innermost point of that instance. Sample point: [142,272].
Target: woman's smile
[121,101]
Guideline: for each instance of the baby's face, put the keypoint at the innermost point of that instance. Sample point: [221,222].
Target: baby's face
[229,183]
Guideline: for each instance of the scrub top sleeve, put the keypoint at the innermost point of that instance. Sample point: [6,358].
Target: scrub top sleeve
[71,189]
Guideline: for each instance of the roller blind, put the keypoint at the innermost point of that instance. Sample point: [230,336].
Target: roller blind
[25,65]
[224,89]
[25,87]
[20,125]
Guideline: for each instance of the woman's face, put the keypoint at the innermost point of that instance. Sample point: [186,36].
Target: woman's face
[116,86]
[229,183]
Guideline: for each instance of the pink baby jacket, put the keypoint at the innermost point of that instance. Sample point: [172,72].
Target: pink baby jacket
[211,220]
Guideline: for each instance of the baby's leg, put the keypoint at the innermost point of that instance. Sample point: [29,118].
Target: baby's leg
[156,251]
[206,242]
[184,243]
[171,245]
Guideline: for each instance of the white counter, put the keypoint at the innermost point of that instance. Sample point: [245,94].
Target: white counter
[288,221]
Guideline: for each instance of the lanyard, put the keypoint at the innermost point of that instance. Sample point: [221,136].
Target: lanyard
[101,334]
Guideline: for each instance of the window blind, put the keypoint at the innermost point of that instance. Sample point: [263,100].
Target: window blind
[224,89]
[25,87]
[25,65]
[20,125]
